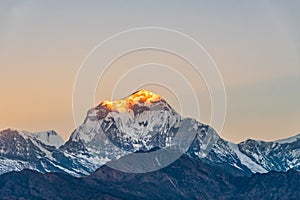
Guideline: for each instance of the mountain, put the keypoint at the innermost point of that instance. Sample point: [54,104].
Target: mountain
[144,121]
[186,178]
[140,122]
[258,156]
[23,150]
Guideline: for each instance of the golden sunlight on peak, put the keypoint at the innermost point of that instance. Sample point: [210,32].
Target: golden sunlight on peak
[139,97]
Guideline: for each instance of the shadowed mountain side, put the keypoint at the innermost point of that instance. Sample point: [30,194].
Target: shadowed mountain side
[186,178]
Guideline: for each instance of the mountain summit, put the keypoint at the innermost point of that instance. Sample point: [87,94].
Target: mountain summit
[141,97]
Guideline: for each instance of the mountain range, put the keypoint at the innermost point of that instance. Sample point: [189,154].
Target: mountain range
[141,123]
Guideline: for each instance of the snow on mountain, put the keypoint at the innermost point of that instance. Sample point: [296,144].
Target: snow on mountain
[144,121]
[273,156]
[253,156]
[245,160]
[141,122]
[50,138]
[22,150]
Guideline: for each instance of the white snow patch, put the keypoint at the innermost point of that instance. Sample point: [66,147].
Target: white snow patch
[49,138]
[245,160]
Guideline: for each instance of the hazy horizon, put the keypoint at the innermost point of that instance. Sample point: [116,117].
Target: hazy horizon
[255,45]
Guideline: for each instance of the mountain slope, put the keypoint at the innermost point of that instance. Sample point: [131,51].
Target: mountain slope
[23,150]
[186,178]
[253,156]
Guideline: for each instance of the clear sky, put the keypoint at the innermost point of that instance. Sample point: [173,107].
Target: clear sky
[256,45]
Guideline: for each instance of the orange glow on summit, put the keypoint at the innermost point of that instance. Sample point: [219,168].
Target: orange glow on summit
[142,96]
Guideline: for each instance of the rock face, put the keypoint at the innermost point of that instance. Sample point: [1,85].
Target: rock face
[187,178]
[140,122]
[22,150]
[258,156]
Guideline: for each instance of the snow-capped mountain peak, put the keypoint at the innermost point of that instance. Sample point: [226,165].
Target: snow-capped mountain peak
[139,122]
[50,138]
[136,117]
[23,150]
[139,98]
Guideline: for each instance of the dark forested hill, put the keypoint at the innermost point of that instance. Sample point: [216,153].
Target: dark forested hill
[186,178]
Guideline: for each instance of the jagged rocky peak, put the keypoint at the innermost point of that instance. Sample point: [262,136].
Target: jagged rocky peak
[9,139]
[50,138]
[142,100]
[137,118]
[8,131]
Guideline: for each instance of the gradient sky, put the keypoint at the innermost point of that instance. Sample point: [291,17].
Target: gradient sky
[256,45]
